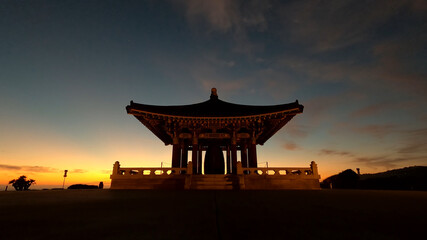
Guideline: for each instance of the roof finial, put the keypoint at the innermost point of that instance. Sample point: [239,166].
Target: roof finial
[214,93]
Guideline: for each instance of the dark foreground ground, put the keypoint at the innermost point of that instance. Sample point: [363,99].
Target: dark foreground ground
[142,214]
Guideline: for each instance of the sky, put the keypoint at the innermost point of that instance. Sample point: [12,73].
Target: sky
[69,68]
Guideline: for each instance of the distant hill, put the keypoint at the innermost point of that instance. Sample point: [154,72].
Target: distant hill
[408,178]
[82,186]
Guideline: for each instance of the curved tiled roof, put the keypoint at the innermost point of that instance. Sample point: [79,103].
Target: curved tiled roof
[213,108]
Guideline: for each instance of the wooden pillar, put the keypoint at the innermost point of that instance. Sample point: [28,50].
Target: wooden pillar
[228,159]
[233,149]
[253,161]
[195,155]
[199,166]
[176,153]
[244,154]
[184,155]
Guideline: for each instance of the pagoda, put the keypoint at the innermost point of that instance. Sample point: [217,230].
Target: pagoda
[217,128]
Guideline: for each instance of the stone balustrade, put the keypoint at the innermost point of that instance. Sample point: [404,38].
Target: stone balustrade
[280,171]
[151,171]
[277,171]
[274,171]
[247,178]
[156,171]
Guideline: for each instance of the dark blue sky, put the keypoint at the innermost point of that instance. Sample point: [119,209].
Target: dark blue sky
[68,69]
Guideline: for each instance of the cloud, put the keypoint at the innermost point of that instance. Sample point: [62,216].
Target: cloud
[372,109]
[386,161]
[78,171]
[319,25]
[414,142]
[376,130]
[412,148]
[329,25]
[296,130]
[211,71]
[291,146]
[396,64]
[40,169]
[106,171]
[392,159]
[9,167]
[221,15]
[321,32]
[225,86]
[381,161]
[324,31]
[335,152]
[319,110]
[229,17]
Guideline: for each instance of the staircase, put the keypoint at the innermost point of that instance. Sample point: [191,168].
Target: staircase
[214,182]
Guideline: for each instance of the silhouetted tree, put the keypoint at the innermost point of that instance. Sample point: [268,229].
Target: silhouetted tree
[21,183]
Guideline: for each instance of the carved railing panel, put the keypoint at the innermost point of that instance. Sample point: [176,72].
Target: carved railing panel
[285,172]
[151,171]
[278,171]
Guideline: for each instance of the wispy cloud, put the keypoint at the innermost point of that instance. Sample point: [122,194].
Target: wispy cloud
[414,142]
[291,146]
[39,169]
[376,130]
[9,167]
[387,162]
[396,64]
[392,159]
[211,71]
[106,171]
[371,109]
[412,148]
[335,152]
[329,25]
[296,130]
[229,17]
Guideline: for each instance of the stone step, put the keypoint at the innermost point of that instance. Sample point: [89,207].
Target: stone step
[214,178]
[210,179]
[222,187]
[214,182]
[211,184]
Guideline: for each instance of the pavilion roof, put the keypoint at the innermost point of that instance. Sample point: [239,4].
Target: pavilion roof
[160,119]
[213,108]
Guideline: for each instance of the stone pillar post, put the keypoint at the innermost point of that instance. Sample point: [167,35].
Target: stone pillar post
[184,155]
[116,168]
[313,167]
[195,154]
[176,153]
[253,162]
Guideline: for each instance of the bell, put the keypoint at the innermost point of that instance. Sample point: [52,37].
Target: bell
[214,160]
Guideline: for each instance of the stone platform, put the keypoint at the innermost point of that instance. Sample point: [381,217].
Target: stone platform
[245,178]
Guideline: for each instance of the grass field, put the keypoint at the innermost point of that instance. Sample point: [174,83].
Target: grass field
[148,214]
